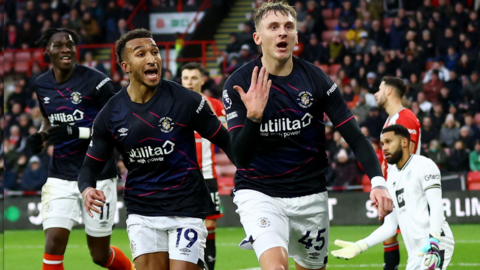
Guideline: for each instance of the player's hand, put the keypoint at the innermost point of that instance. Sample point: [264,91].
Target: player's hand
[382,201]
[257,96]
[432,251]
[35,142]
[93,199]
[63,133]
[349,249]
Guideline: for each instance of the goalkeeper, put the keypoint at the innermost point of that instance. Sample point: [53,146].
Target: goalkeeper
[414,184]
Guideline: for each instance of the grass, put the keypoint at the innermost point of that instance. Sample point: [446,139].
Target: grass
[24,249]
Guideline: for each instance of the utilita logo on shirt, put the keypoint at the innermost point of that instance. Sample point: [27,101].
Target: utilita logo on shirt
[148,154]
[77,115]
[285,127]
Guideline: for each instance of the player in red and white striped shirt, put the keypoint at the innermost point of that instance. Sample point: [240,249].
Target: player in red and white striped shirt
[389,96]
[193,79]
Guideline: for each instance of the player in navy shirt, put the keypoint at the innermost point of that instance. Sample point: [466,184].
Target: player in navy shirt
[70,98]
[275,105]
[151,123]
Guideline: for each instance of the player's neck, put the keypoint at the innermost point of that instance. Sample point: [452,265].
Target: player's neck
[278,68]
[140,93]
[62,75]
[405,157]
[393,107]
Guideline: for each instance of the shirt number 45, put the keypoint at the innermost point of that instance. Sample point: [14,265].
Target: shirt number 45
[319,241]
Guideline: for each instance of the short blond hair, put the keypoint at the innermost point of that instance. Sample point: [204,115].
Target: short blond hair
[281,6]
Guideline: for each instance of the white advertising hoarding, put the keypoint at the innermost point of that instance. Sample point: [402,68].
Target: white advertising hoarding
[171,23]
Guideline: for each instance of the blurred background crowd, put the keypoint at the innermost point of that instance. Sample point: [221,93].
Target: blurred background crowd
[432,44]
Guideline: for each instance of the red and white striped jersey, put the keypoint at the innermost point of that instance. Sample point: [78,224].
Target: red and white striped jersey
[205,149]
[408,119]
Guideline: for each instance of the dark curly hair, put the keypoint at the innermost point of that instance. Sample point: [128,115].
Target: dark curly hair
[136,33]
[47,35]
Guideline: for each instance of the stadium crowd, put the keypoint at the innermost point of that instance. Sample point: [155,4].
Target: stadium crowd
[432,45]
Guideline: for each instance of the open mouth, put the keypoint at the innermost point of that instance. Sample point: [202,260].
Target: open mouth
[282,45]
[152,74]
[388,155]
[66,59]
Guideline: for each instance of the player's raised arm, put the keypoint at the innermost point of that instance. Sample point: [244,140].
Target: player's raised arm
[341,116]
[97,155]
[352,249]
[247,106]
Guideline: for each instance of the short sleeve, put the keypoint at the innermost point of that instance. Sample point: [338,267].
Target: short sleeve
[103,92]
[219,110]
[101,143]
[430,177]
[334,104]
[236,112]
[413,126]
[205,122]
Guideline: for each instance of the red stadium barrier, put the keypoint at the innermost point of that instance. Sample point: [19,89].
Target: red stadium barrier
[473,181]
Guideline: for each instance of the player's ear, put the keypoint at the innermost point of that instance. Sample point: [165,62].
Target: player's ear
[125,67]
[257,39]
[204,79]
[405,142]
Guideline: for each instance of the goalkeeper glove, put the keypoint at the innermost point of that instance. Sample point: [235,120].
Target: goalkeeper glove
[35,142]
[432,251]
[349,249]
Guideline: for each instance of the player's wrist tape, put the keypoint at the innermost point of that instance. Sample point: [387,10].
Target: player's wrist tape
[362,245]
[378,181]
[84,133]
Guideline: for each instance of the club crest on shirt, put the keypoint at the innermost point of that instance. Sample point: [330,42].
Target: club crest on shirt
[305,99]
[166,124]
[227,102]
[263,222]
[76,98]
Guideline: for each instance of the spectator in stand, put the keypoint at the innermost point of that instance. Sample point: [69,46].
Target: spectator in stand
[415,85]
[449,40]
[432,87]
[365,44]
[472,88]
[467,139]
[25,35]
[470,50]
[348,66]
[455,86]
[458,161]
[233,45]
[246,35]
[349,96]
[301,12]
[392,7]
[374,122]
[421,20]
[74,20]
[451,59]
[443,73]
[34,175]
[245,55]
[98,12]
[426,9]
[464,66]
[445,9]
[440,22]
[90,31]
[92,63]
[365,7]
[437,154]
[413,26]
[428,131]
[345,170]
[428,46]
[313,51]
[59,6]
[378,35]
[396,34]
[368,65]
[450,132]
[11,39]
[438,115]
[24,123]
[474,158]
[336,49]
[303,34]
[30,12]
[410,65]
[119,31]
[355,31]
[18,96]
[45,9]
[315,24]
[56,19]
[423,104]
[361,108]
[347,17]
[372,83]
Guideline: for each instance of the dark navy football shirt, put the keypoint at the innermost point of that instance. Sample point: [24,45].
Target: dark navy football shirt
[157,142]
[76,101]
[290,159]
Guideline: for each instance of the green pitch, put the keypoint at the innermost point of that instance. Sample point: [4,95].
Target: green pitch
[24,249]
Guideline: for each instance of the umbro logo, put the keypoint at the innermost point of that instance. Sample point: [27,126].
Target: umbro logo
[46,100]
[123,131]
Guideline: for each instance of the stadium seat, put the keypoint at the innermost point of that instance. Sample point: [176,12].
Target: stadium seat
[331,23]
[387,22]
[22,57]
[222,159]
[367,186]
[325,68]
[334,69]
[336,12]
[226,170]
[7,67]
[473,181]
[428,65]
[21,67]
[225,185]
[8,56]
[327,35]
[327,14]
[343,34]
[37,54]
